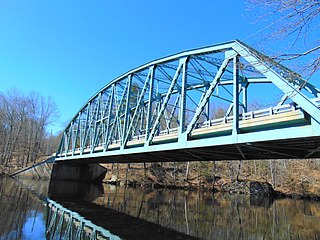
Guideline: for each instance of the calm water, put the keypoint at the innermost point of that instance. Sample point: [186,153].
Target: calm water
[78,211]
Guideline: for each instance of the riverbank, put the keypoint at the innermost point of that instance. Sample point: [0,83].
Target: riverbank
[14,167]
[279,178]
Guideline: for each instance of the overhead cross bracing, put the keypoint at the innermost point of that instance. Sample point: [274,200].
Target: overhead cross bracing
[198,105]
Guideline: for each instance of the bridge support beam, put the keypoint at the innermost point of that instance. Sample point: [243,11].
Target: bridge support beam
[78,172]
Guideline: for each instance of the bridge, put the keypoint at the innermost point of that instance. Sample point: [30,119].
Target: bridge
[198,105]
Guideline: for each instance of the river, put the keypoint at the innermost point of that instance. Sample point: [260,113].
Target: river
[80,211]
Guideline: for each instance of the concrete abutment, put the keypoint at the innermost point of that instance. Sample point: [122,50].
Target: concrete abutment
[78,172]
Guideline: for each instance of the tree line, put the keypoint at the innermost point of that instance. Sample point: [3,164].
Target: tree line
[23,122]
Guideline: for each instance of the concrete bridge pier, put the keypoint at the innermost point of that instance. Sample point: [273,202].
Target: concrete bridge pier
[93,173]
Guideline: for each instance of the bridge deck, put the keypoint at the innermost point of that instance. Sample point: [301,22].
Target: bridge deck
[261,120]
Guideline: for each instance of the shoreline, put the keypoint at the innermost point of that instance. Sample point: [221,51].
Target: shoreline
[275,194]
[296,179]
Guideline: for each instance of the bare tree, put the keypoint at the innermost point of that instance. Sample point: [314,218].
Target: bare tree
[13,112]
[296,22]
[23,122]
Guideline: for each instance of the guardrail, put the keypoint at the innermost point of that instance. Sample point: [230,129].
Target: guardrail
[261,113]
[251,115]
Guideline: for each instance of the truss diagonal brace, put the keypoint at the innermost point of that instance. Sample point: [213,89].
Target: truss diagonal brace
[127,108]
[95,133]
[167,98]
[141,97]
[283,84]
[207,95]
[85,129]
[150,99]
[74,138]
[107,130]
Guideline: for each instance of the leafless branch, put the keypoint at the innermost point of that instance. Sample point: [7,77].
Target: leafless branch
[291,56]
[296,20]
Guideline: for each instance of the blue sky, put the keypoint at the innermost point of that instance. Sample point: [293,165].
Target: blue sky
[71,49]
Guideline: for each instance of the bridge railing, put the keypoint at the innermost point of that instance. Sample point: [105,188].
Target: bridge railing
[261,113]
[252,115]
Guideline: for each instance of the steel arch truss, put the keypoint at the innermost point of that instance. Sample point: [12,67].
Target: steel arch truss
[171,104]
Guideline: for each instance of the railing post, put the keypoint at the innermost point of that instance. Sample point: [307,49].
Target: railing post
[207,111]
[245,97]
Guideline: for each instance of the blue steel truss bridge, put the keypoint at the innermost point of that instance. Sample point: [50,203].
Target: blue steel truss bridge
[198,105]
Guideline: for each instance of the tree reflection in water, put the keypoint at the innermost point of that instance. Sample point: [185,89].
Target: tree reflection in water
[133,213]
[22,214]
[219,216]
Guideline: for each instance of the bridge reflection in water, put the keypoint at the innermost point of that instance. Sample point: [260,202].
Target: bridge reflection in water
[66,224]
[137,213]
[74,214]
